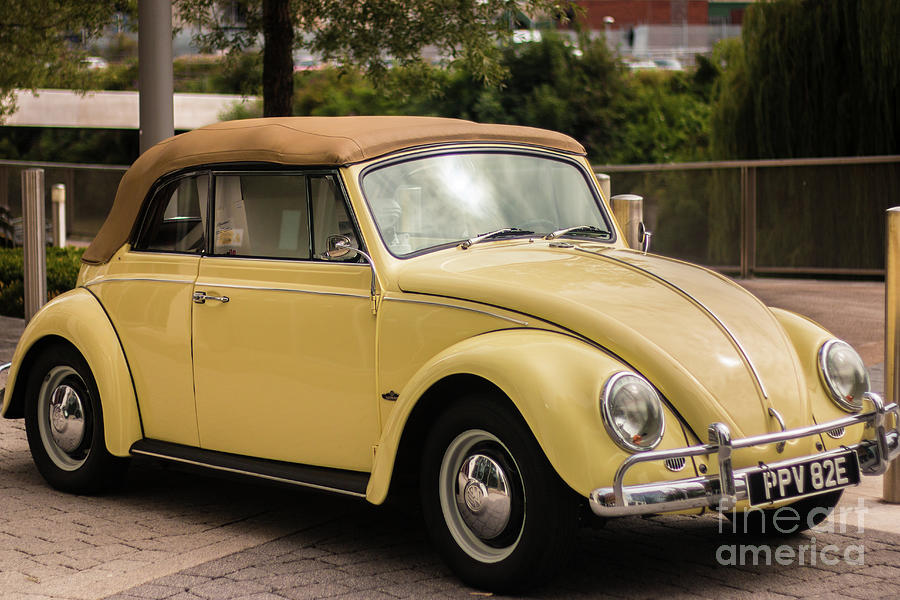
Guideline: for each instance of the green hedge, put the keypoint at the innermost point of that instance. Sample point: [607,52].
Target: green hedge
[62,271]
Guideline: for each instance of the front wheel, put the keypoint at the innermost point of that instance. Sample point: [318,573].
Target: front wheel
[64,424]
[494,507]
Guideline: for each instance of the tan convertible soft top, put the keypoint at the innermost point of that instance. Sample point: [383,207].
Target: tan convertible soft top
[318,141]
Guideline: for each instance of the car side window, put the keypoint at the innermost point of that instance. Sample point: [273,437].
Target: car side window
[278,215]
[330,215]
[176,220]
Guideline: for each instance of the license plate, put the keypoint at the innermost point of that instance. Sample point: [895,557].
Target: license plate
[803,477]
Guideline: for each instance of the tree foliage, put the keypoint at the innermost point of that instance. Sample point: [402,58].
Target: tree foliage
[370,35]
[41,43]
[811,78]
[619,116]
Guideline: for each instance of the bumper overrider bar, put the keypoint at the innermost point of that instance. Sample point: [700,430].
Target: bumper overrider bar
[729,486]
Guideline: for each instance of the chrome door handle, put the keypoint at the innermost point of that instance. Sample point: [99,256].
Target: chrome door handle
[202,297]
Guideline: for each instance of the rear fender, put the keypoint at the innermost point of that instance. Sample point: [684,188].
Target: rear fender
[77,318]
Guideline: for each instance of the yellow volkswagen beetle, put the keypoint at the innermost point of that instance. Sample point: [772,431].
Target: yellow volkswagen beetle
[354,304]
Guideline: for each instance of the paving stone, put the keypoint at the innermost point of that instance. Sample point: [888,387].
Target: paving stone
[295,580]
[877,589]
[182,581]
[154,591]
[318,590]
[224,589]
[367,595]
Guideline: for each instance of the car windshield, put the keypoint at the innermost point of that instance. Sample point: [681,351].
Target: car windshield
[441,199]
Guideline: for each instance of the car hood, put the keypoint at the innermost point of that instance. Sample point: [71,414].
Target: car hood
[711,348]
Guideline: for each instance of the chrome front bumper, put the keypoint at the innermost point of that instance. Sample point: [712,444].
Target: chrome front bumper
[729,486]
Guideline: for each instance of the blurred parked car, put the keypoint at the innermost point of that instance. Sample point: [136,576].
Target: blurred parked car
[638,65]
[668,64]
[95,62]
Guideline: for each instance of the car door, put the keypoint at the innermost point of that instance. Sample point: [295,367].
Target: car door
[146,291]
[284,342]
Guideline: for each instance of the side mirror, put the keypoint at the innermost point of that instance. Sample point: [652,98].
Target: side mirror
[644,237]
[337,246]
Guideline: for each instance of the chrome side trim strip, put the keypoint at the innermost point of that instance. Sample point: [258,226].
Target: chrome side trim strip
[272,289]
[121,279]
[475,310]
[223,285]
[734,341]
[243,472]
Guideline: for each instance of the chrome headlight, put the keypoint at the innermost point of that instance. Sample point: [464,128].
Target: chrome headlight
[632,412]
[844,374]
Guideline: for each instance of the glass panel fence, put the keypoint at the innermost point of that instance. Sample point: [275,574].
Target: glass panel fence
[693,214]
[90,191]
[824,216]
[798,216]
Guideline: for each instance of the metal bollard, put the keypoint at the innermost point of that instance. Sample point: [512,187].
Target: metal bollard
[58,196]
[603,179]
[891,482]
[629,212]
[34,250]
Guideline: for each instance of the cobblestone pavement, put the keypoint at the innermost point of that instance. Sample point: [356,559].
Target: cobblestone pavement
[180,535]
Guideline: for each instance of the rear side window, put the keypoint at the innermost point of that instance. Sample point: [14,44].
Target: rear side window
[176,219]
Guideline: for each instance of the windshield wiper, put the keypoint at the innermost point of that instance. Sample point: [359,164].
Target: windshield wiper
[493,234]
[584,228]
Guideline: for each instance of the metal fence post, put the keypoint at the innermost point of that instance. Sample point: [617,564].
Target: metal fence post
[34,251]
[4,188]
[629,212]
[58,196]
[891,482]
[748,221]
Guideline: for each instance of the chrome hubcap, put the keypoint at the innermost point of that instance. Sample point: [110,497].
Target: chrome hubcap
[63,418]
[66,418]
[483,497]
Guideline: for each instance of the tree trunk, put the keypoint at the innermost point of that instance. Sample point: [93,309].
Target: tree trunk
[278,61]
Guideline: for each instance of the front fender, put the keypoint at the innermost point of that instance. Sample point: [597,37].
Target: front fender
[78,318]
[808,337]
[553,379]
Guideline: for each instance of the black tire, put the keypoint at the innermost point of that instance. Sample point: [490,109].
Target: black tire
[789,519]
[64,424]
[518,546]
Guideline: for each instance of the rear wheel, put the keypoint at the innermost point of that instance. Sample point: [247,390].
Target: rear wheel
[493,506]
[64,424]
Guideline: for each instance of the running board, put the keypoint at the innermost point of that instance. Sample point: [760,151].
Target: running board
[352,483]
